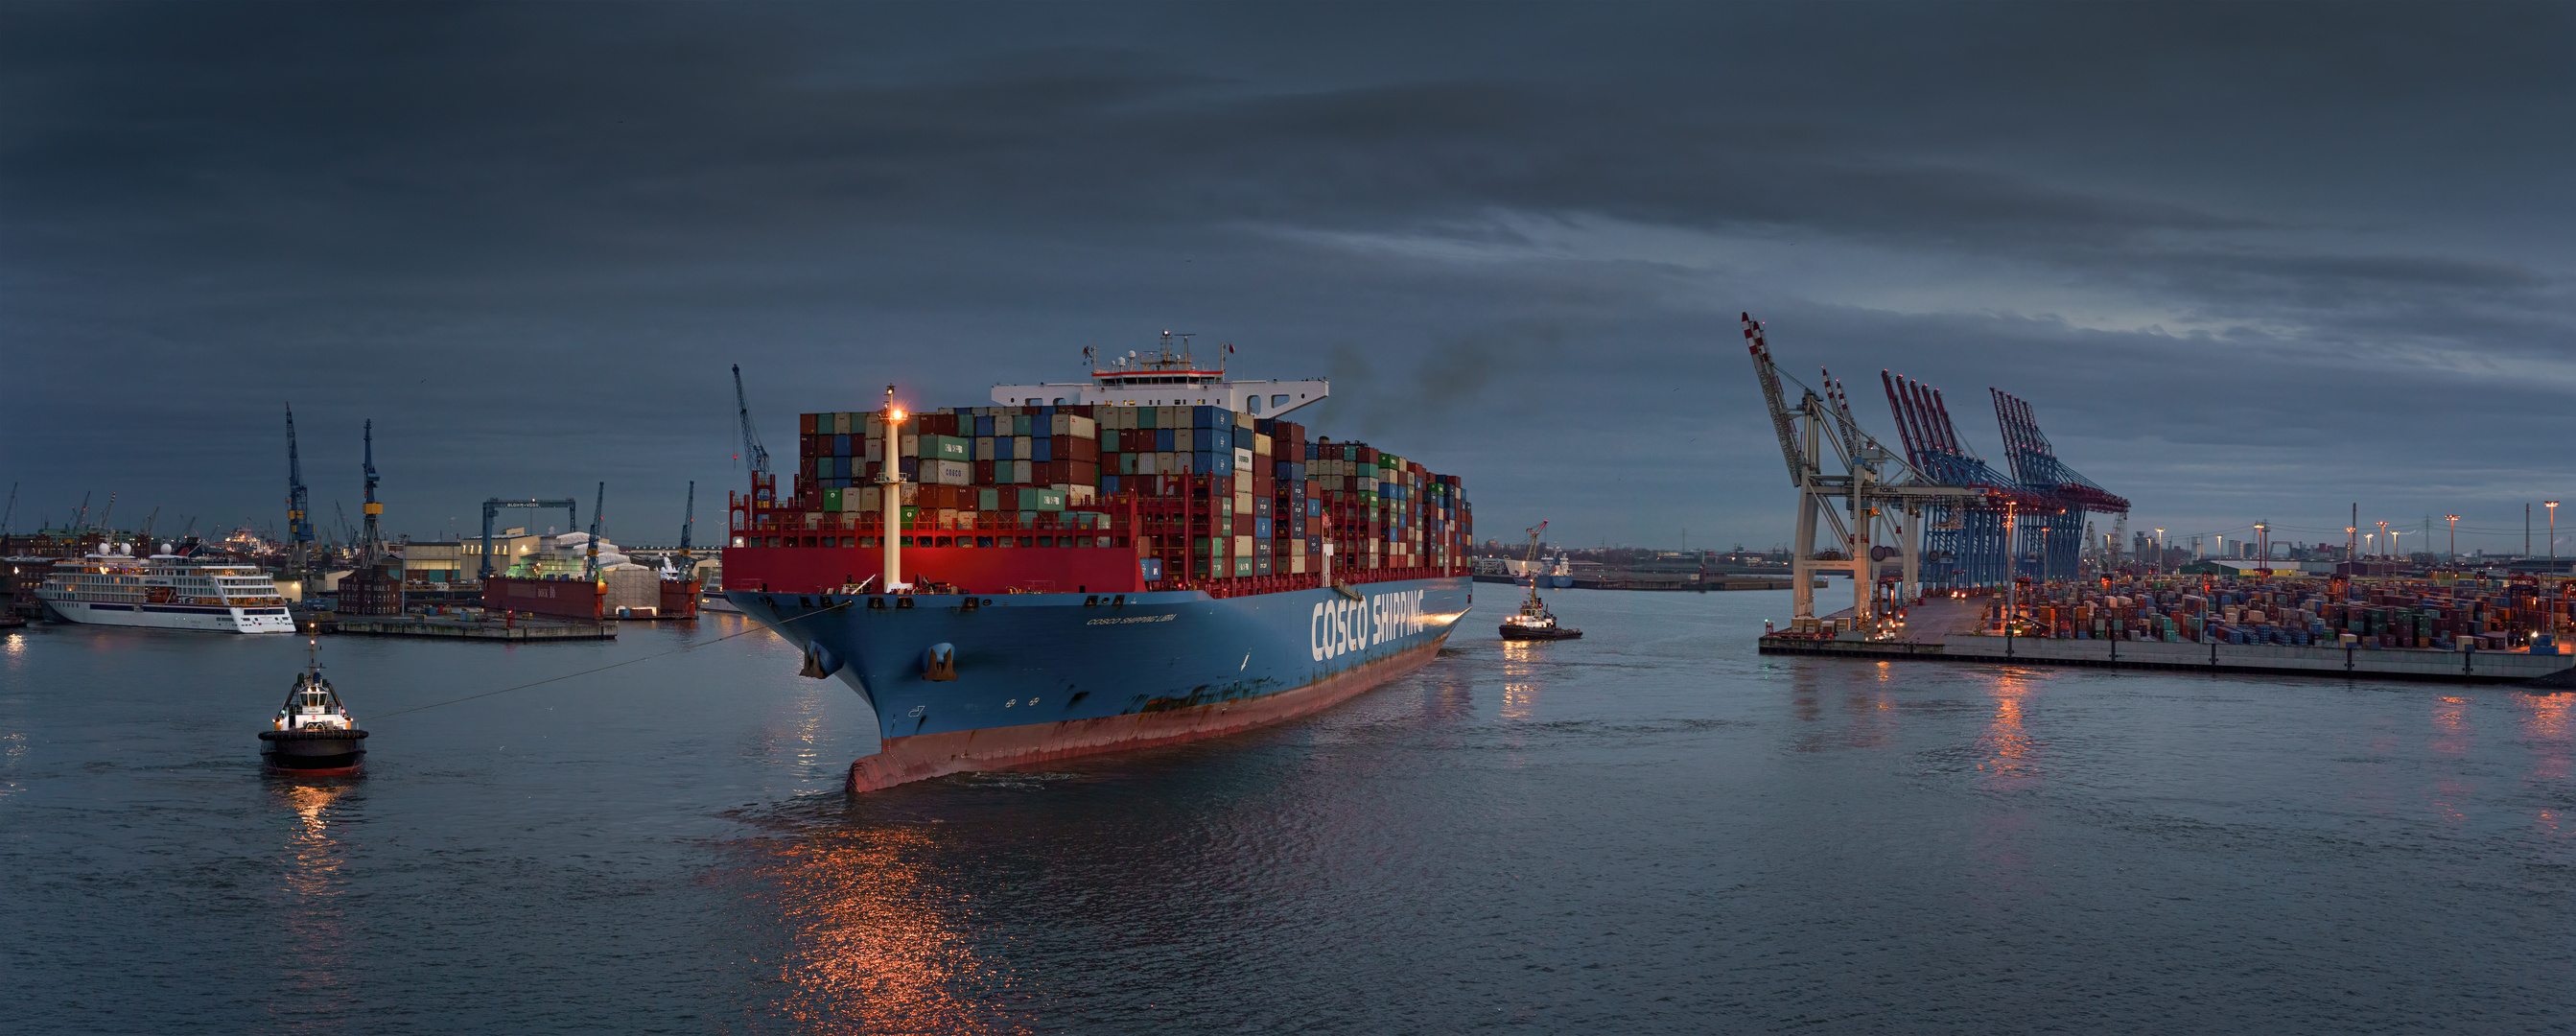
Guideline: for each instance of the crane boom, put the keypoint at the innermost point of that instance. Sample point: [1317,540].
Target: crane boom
[1782,419]
[752,453]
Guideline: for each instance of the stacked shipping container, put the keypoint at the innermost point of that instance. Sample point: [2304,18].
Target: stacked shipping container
[2443,614]
[1204,496]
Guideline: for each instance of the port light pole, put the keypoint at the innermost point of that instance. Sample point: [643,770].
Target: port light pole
[890,490]
[2552,505]
[2263,541]
[2384,540]
[2455,538]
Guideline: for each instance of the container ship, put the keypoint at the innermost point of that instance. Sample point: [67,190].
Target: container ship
[110,586]
[1154,556]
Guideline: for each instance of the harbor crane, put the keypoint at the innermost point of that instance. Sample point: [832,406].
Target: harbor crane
[752,453]
[492,508]
[299,527]
[372,508]
[590,565]
[689,519]
[1873,501]
[11,511]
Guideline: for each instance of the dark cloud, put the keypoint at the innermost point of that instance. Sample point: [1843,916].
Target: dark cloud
[2241,258]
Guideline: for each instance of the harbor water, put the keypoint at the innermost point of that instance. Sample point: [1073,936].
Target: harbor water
[1651,829]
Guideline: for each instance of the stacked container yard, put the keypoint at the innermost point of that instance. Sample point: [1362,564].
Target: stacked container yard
[1201,496]
[2439,613]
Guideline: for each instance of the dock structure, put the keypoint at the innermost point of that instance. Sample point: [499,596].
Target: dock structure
[1954,629]
[521,631]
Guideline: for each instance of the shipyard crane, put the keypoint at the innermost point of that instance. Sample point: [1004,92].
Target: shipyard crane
[752,453]
[80,519]
[1971,545]
[11,511]
[1876,496]
[689,519]
[105,511]
[144,534]
[299,527]
[590,565]
[2036,464]
[492,508]
[372,508]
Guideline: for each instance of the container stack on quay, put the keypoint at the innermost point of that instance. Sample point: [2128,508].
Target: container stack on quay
[1132,498]
[2439,612]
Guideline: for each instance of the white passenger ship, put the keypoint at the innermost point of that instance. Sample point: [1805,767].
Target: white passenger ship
[165,591]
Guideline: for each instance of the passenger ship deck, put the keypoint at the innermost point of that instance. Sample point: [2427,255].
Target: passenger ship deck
[165,591]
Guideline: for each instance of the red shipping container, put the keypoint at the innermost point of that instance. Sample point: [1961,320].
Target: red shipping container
[804,424]
[1085,473]
[1069,448]
[983,472]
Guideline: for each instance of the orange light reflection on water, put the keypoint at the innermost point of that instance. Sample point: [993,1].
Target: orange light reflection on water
[2544,726]
[2451,737]
[2013,759]
[876,945]
[308,930]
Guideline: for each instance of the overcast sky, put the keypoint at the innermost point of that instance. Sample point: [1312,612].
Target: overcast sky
[2244,262]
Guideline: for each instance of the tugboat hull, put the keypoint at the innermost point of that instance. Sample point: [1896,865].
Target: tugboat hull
[313,753]
[1511,632]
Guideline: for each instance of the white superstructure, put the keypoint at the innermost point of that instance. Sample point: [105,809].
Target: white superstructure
[164,591]
[1166,379]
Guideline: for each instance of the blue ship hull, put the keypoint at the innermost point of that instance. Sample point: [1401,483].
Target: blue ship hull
[963,682]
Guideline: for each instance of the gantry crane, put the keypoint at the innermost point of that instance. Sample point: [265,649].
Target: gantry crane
[1873,502]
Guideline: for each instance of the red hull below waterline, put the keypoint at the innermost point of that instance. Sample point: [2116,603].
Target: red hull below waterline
[903,760]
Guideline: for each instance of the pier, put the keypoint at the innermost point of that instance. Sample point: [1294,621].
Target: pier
[467,629]
[1948,629]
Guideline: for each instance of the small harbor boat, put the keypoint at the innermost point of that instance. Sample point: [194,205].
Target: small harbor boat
[1535,622]
[314,735]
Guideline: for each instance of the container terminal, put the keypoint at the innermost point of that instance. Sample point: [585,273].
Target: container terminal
[1951,559]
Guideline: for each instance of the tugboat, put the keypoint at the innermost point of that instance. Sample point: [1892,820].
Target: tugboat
[315,736]
[1535,622]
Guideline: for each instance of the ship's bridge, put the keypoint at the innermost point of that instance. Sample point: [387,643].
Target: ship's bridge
[1166,379]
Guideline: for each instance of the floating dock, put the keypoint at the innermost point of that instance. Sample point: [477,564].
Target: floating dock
[467,629]
[1947,629]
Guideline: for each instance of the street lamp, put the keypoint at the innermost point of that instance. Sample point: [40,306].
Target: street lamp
[2263,540]
[2455,537]
[2383,537]
[2552,505]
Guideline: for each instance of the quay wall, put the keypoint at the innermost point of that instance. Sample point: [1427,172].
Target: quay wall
[2450,666]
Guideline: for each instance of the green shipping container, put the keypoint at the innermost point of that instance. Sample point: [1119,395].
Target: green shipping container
[988,500]
[948,447]
[911,515]
[1045,499]
[1243,566]
[831,499]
